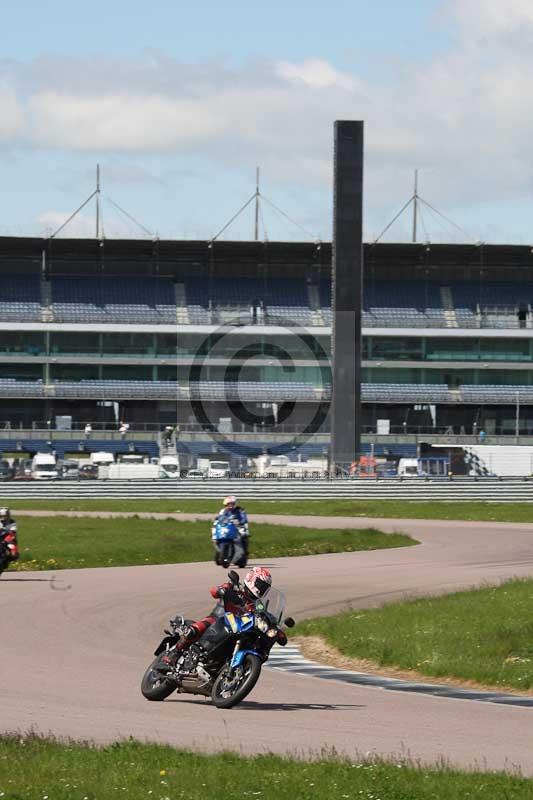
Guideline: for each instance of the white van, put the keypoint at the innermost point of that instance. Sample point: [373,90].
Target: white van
[44,467]
[169,467]
[218,469]
[213,469]
[101,459]
[409,468]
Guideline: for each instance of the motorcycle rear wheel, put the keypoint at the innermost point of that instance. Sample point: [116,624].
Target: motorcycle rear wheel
[153,685]
[224,697]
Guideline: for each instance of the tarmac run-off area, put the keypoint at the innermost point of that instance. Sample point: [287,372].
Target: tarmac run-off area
[74,651]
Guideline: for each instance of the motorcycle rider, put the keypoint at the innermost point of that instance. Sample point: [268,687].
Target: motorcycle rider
[231,512]
[234,598]
[8,534]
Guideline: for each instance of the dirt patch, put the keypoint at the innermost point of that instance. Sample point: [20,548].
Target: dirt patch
[317,649]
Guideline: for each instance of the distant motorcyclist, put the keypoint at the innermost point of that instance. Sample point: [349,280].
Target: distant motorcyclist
[9,550]
[234,598]
[231,512]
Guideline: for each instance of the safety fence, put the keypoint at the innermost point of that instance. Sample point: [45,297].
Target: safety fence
[458,489]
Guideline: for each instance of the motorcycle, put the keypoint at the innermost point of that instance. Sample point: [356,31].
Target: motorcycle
[8,548]
[226,662]
[229,547]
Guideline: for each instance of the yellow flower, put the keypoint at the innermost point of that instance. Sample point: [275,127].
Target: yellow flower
[162,772]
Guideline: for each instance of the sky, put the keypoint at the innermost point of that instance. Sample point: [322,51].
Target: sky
[179,102]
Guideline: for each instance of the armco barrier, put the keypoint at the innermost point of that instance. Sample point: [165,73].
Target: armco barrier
[460,489]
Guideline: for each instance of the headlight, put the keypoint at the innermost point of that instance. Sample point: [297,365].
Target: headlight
[272,633]
[262,625]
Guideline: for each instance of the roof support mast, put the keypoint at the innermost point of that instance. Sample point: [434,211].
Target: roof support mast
[415,206]
[256,226]
[97,194]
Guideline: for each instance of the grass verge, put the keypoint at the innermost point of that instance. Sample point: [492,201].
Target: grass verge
[484,636]
[39,769]
[463,510]
[71,542]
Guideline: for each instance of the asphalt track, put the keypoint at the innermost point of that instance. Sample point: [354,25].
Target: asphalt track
[73,652]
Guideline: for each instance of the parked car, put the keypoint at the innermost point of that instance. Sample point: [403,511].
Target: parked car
[23,471]
[88,472]
[7,473]
[196,474]
[70,470]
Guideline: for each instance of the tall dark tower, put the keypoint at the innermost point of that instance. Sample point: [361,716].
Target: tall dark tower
[347,293]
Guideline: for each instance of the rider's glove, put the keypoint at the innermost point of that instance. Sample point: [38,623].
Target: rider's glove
[187,632]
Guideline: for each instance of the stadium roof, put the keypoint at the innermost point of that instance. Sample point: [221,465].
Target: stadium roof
[180,258]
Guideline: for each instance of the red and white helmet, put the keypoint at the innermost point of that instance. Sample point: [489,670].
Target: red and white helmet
[230,500]
[258,581]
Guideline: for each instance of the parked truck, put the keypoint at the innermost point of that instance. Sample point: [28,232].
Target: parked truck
[129,472]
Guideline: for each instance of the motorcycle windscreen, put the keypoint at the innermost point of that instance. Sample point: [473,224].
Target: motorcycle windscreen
[273,603]
[226,533]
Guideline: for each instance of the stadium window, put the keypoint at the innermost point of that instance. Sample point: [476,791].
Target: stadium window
[125,372]
[73,372]
[139,344]
[21,342]
[75,343]
[22,372]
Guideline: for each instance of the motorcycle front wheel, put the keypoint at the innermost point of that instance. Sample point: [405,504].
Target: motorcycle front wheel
[226,554]
[154,686]
[230,688]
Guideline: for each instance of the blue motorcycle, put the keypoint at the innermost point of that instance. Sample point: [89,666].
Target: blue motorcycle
[229,547]
[225,664]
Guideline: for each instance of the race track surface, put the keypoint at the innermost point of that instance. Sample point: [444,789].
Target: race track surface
[73,653]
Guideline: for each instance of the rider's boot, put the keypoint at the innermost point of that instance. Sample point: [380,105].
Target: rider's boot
[189,634]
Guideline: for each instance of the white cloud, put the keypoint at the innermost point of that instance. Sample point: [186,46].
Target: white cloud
[490,18]
[315,73]
[84,225]
[11,116]
[463,118]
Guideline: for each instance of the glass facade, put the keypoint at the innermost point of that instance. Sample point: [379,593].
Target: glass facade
[287,357]
[27,343]
[446,349]
[22,372]
[285,347]
[454,378]
[73,344]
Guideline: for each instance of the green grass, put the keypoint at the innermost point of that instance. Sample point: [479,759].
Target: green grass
[485,635]
[34,769]
[464,510]
[72,542]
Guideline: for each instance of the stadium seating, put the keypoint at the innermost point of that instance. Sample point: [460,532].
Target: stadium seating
[61,446]
[490,305]
[9,387]
[401,392]
[147,300]
[395,304]
[497,394]
[20,298]
[223,300]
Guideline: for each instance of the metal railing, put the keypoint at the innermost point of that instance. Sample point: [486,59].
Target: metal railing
[309,488]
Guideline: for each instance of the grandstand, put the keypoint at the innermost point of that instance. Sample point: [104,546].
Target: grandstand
[143,331]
